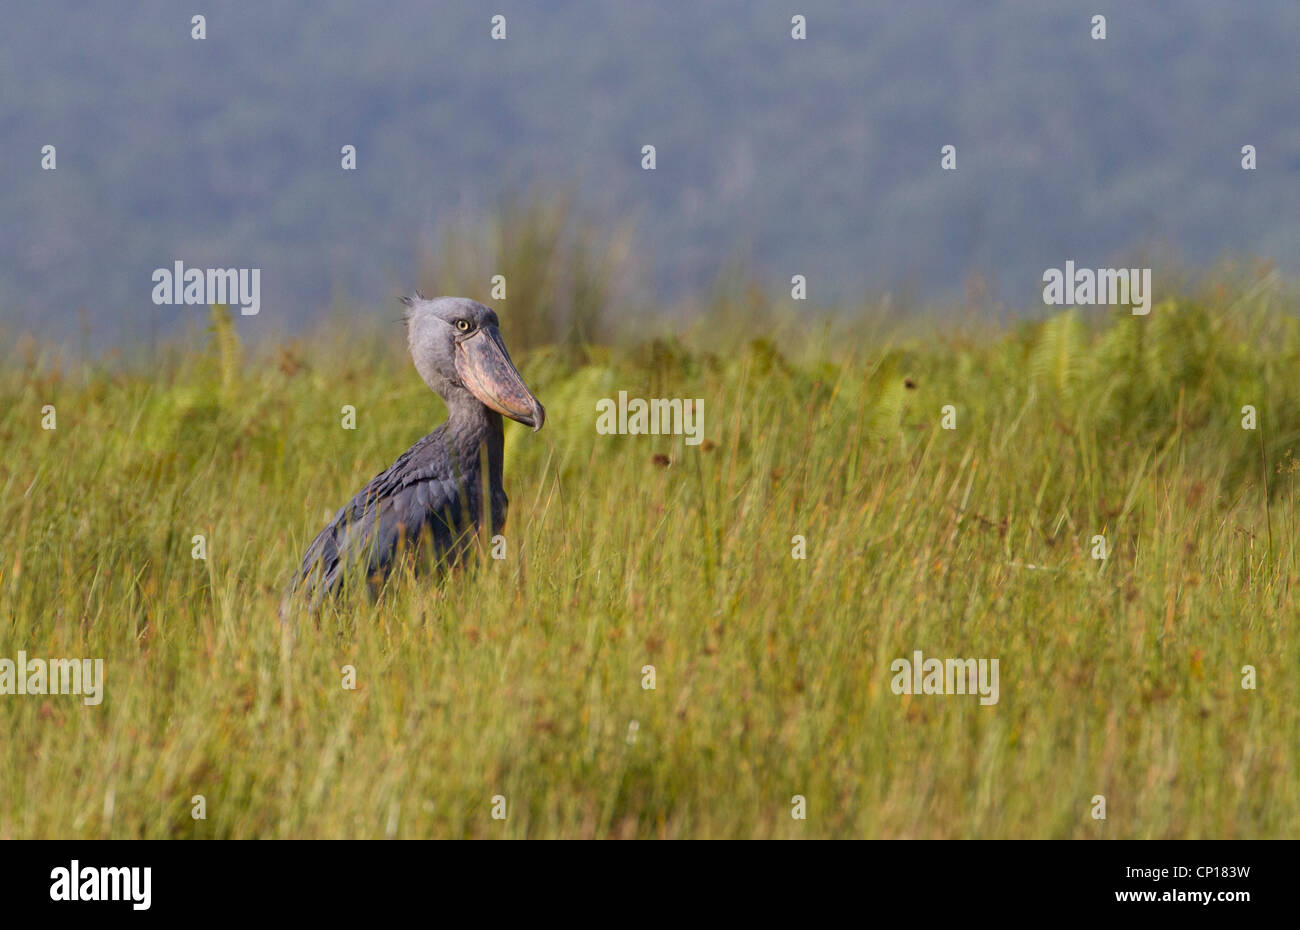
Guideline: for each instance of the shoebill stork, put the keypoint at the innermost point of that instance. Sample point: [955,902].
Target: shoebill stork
[432,496]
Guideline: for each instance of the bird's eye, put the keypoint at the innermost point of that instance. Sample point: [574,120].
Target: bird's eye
[463,325]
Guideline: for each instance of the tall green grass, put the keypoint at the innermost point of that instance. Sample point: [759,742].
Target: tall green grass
[523,677]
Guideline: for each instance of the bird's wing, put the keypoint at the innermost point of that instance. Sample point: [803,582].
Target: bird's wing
[418,493]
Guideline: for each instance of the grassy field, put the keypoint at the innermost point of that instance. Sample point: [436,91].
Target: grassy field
[523,677]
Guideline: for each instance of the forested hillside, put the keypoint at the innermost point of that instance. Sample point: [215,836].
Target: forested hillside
[818,157]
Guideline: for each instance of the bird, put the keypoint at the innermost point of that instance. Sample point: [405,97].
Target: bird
[431,499]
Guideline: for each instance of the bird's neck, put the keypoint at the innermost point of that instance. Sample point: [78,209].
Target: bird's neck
[473,429]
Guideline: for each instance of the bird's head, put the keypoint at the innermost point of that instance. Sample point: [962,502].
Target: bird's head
[457,348]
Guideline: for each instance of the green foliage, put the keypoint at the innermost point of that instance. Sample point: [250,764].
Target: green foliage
[521,677]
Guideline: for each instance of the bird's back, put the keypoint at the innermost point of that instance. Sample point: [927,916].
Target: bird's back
[425,499]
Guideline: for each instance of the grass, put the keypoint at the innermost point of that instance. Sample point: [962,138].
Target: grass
[523,677]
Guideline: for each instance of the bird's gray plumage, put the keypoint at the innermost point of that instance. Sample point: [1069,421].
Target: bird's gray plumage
[432,499]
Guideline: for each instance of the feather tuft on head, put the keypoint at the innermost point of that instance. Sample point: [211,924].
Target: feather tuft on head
[410,302]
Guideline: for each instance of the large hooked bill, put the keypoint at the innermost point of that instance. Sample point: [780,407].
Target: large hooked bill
[484,365]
